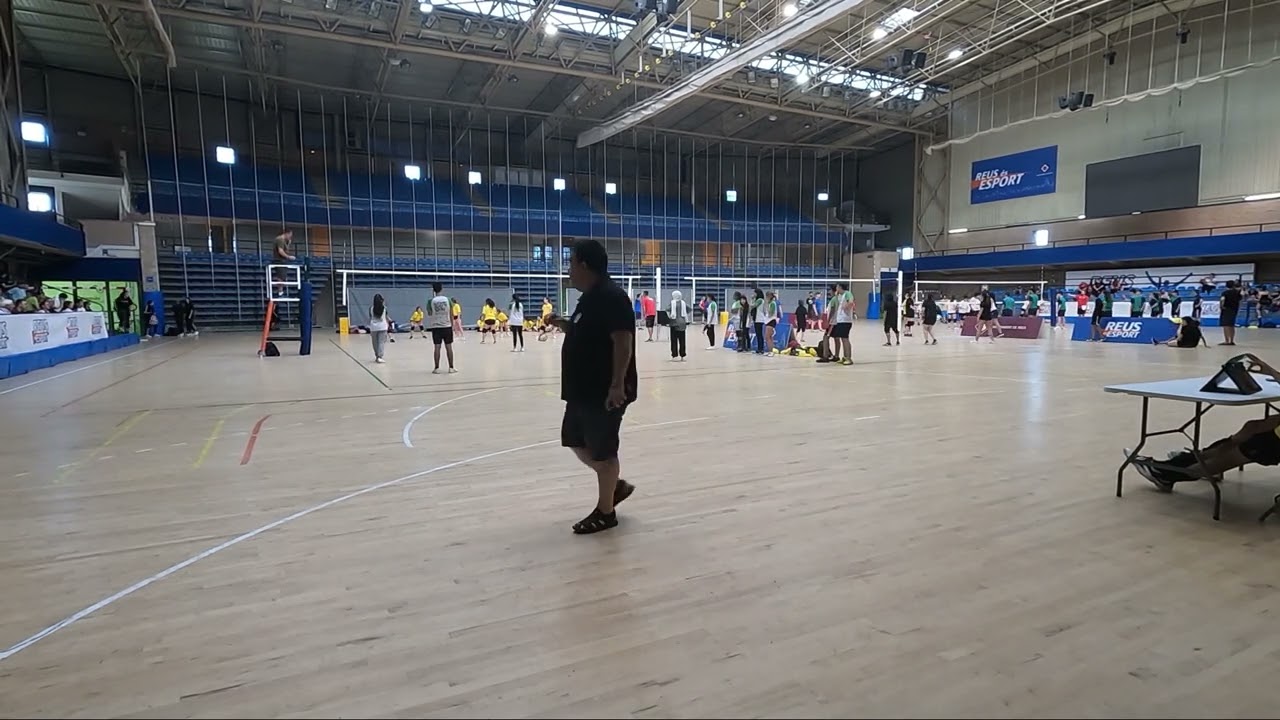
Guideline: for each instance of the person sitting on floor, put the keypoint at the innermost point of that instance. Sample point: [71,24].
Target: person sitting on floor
[1188,335]
[1257,441]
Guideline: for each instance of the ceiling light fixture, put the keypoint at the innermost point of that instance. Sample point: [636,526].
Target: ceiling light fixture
[425,7]
[551,29]
[874,93]
[958,231]
[879,34]
[790,10]
[955,54]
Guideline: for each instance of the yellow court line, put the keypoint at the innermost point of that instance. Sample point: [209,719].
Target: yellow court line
[213,437]
[124,428]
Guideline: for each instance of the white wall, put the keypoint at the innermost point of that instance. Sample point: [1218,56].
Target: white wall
[1231,118]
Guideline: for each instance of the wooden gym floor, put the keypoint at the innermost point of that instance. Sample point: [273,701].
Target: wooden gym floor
[188,530]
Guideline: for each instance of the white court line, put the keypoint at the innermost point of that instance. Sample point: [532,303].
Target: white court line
[141,584]
[72,372]
[867,417]
[409,425]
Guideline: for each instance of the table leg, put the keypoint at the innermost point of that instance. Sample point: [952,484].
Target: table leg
[1275,507]
[1142,440]
[1195,448]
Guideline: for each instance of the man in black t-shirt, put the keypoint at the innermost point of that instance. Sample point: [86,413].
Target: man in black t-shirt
[1228,307]
[597,377]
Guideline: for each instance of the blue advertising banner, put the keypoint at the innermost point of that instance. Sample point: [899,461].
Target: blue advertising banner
[1139,331]
[1034,172]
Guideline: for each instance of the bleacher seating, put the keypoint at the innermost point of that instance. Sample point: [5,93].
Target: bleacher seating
[228,289]
[522,201]
[197,187]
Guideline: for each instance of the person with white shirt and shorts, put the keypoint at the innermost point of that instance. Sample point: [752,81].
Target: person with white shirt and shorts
[842,302]
[440,320]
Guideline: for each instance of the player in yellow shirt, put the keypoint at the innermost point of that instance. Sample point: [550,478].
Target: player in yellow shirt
[502,321]
[489,316]
[415,322]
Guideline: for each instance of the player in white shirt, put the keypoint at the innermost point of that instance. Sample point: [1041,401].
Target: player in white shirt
[439,311]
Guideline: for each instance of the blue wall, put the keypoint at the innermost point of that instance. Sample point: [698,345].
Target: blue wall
[1179,249]
[41,231]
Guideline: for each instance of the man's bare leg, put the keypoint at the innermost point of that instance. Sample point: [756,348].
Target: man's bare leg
[448,349]
[607,472]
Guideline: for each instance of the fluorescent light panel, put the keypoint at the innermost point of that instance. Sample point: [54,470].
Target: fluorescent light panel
[38,201]
[35,132]
[224,155]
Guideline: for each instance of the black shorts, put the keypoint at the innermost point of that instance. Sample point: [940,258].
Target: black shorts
[650,321]
[591,426]
[985,316]
[772,323]
[490,323]
[1080,312]
[1263,448]
[1062,313]
[1228,318]
[442,336]
[840,331]
[1097,319]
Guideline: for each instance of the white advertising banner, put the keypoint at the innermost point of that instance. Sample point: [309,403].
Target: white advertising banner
[1178,276]
[31,333]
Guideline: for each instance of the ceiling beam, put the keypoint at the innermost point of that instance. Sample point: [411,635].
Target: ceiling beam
[633,43]
[108,21]
[807,22]
[533,64]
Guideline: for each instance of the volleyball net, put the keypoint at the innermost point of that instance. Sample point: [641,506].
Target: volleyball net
[965,290]
[405,290]
[790,291]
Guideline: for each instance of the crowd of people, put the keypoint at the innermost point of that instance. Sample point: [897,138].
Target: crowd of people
[22,298]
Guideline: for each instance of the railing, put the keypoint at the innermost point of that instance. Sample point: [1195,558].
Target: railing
[1107,239]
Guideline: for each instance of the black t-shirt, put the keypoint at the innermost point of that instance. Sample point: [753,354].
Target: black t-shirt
[1230,301]
[1190,333]
[586,357]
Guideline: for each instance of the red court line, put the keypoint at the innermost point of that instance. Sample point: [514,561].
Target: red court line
[253,440]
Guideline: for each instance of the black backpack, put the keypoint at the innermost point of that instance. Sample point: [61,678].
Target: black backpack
[271,350]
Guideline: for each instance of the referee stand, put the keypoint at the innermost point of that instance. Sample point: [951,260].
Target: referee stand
[286,285]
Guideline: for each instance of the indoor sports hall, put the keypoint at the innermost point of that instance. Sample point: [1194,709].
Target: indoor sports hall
[956,382]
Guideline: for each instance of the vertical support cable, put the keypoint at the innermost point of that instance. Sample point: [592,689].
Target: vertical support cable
[204,168]
[413,187]
[177,179]
[231,183]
